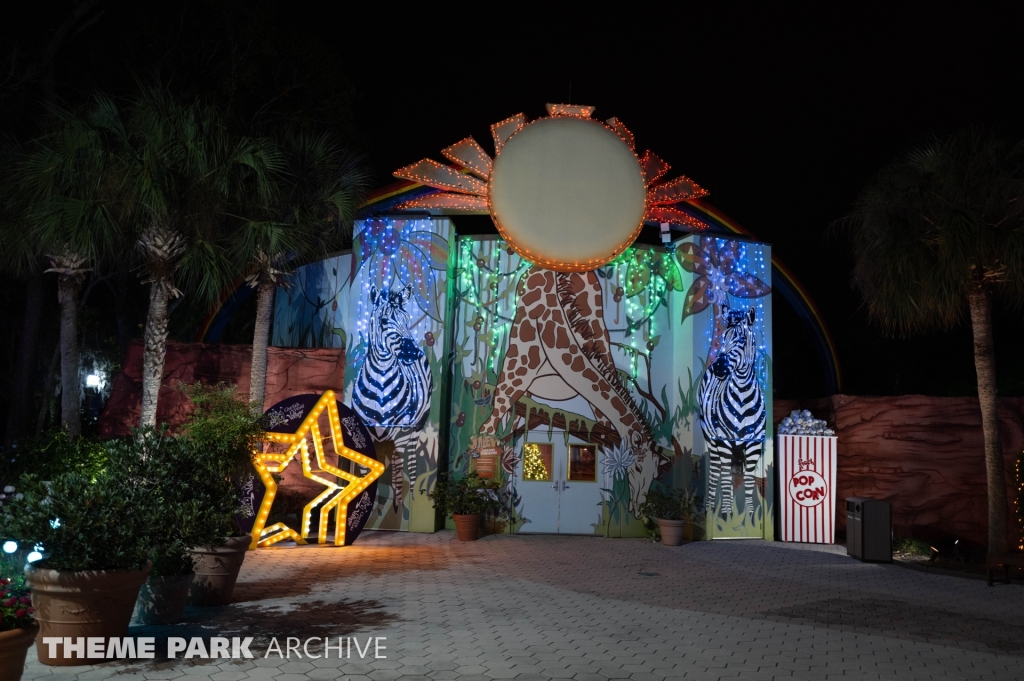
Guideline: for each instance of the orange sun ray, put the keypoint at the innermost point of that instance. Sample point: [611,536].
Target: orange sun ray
[470,155]
[440,176]
[679,189]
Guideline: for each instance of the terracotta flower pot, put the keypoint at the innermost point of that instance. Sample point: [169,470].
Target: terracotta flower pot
[672,531]
[14,645]
[467,526]
[217,569]
[82,604]
[162,599]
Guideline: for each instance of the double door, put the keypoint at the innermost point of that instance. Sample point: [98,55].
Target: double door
[559,485]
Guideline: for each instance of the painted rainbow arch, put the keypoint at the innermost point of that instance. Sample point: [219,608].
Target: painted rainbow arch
[783,279]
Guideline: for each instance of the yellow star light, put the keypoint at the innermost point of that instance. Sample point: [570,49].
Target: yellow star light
[337,496]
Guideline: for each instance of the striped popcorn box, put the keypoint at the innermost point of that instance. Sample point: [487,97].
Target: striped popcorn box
[807,480]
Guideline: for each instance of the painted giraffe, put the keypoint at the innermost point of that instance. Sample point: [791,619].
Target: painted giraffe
[559,348]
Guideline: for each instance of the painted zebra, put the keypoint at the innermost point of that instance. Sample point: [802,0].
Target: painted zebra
[392,391]
[732,410]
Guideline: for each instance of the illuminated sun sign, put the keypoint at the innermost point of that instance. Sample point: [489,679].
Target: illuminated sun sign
[565,191]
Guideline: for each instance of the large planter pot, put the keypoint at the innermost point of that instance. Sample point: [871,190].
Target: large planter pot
[467,527]
[95,603]
[217,569]
[162,599]
[672,531]
[14,645]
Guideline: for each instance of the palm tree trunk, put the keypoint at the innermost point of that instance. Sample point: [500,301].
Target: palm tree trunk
[985,365]
[154,350]
[260,340]
[17,413]
[49,384]
[68,287]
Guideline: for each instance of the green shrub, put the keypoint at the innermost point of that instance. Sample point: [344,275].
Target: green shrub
[195,500]
[52,454]
[466,496]
[917,547]
[82,523]
[671,505]
[224,424]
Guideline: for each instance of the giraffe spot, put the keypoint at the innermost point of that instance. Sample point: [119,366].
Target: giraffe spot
[549,281]
[582,304]
[536,312]
[521,371]
[552,300]
[566,358]
[618,405]
[530,297]
[527,333]
[573,349]
[534,356]
[591,375]
[600,311]
[561,338]
[516,382]
[547,335]
[578,364]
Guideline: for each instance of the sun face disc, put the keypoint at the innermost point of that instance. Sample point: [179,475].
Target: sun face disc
[567,193]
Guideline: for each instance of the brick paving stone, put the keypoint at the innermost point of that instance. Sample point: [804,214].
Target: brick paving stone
[556,607]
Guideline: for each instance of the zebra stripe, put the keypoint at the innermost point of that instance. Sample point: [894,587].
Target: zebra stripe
[732,411]
[392,391]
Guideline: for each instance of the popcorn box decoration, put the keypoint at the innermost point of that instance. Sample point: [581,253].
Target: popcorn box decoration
[807,473]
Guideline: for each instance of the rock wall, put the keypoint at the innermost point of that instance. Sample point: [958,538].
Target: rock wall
[925,455]
[290,371]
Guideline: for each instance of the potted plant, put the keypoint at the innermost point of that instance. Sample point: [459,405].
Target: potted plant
[17,629]
[194,503]
[94,535]
[672,510]
[231,431]
[465,500]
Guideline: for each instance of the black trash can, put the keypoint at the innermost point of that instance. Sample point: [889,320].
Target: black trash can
[869,529]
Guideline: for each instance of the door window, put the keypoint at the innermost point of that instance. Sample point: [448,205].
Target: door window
[537,462]
[583,463]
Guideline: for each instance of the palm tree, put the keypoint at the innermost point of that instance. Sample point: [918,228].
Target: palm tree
[67,213]
[179,168]
[936,235]
[310,216]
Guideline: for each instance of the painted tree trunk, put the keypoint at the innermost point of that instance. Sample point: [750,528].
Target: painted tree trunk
[154,350]
[260,340]
[985,365]
[68,288]
[17,413]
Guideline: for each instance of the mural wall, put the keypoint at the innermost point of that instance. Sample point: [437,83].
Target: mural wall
[659,362]
[575,393]
[384,303]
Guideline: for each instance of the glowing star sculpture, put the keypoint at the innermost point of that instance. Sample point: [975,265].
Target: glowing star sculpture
[567,192]
[336,496]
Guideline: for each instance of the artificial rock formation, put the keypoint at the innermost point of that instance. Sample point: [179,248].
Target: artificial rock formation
[925,455]
[290,371]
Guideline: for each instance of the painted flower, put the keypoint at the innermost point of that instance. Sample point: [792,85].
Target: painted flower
[509,460]
[396,254]
[617,461]
[716,262]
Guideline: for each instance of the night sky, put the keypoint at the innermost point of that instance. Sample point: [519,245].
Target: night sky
[783,114]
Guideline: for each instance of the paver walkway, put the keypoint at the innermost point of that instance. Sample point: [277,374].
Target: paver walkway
[589,609]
